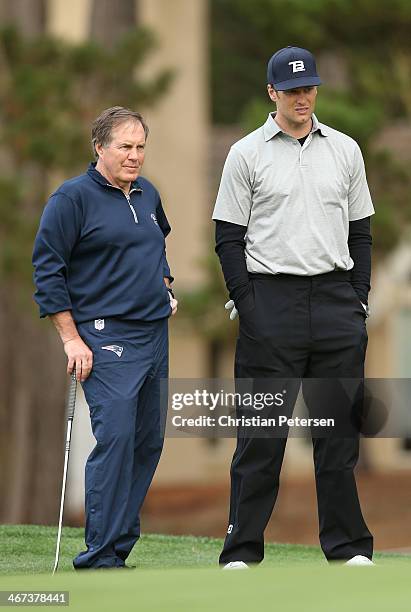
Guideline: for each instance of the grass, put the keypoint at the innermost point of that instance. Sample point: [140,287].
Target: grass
[179,574]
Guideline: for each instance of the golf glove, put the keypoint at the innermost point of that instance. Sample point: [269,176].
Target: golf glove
[234,312]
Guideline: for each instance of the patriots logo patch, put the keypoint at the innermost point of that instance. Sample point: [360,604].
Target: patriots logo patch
[115,348]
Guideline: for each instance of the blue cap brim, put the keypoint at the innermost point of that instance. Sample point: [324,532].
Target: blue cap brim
[298,82]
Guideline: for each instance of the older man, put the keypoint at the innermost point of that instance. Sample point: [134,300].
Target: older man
[102,277]
[293,236]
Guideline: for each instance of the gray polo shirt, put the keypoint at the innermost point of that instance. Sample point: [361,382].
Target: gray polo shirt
[296,201]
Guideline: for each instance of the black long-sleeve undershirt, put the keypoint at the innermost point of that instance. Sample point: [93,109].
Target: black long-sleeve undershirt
[230,245]
[359,245]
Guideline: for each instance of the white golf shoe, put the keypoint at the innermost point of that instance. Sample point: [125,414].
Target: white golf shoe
[236,565]
[359,560]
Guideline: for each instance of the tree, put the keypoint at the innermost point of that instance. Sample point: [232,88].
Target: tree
[111,20]
[50,92]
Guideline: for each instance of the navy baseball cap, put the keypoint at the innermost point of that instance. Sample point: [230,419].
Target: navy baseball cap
[292,67]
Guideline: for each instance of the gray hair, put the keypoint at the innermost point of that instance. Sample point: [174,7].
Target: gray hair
[110,118]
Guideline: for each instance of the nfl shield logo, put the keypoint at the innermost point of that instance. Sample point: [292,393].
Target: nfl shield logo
[99,324]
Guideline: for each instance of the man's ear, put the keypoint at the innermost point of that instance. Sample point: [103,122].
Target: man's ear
[99,149]
[273,94]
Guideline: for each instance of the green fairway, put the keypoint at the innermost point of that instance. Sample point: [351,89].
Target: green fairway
[178,574]
[31,548]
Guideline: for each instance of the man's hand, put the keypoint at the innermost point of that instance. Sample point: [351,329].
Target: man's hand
[234,312]
[79,357]
[173,304]
[366,308]
[173,301]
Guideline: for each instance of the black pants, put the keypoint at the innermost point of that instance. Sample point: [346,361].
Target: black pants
[300,327]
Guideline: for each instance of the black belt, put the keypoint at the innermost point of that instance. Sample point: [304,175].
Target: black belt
[343,275]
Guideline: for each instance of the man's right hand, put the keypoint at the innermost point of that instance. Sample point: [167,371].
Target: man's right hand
[79,357]
[234,312]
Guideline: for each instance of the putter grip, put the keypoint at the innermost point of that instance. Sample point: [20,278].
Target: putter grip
[72,396]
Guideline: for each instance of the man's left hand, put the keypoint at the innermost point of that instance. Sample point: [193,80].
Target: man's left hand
[173,304]
[173,301]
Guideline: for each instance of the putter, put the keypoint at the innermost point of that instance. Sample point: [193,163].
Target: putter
[71,404]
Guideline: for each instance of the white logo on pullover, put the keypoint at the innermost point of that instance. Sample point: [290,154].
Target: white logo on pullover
[118,350]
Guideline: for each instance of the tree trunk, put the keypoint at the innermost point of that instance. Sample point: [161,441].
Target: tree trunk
[27,15]
[32,365]
[110,20]
[31,414]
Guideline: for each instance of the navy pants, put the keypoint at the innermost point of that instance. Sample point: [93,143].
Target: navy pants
[123,394]
[312,328]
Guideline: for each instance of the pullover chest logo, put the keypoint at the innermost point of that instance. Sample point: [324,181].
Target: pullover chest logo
[115,348]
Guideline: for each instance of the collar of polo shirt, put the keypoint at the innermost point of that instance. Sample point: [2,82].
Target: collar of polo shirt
[271,127]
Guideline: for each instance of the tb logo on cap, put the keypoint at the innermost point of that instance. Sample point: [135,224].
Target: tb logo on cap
[298,66]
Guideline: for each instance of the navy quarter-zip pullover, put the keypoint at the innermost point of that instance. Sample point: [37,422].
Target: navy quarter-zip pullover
[100,253]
